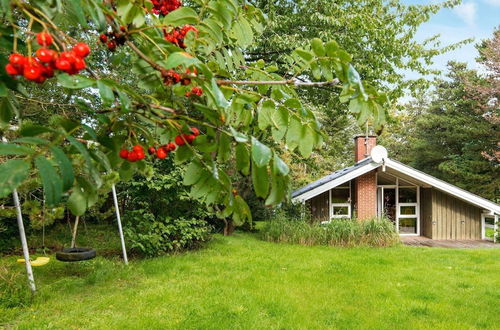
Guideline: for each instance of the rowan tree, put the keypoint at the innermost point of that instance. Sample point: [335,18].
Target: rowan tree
[190,94]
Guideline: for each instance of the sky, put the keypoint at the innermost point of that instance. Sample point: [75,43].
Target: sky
[472,19]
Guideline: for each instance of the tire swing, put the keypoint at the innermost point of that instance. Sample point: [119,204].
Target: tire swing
[74,253]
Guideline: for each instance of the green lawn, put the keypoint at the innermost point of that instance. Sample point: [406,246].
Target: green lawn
[242,282]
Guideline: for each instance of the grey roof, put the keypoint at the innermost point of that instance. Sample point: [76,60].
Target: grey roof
[330,177]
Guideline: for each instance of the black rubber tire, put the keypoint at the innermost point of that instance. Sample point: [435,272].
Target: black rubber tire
[75,254]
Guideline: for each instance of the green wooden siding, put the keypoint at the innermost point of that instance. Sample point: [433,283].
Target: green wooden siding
[426,212]
[451,218]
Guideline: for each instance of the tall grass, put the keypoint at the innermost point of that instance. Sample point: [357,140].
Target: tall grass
[341,232]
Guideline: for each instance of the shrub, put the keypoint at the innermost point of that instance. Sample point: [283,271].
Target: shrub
[341,232]
[152,235]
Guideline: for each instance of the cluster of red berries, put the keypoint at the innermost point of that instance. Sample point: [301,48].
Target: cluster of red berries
[170,77]
[163,7]
[137,152]
[46,60]
[162,152]
[177,35]
[113,39]
[194,91]
[182,139]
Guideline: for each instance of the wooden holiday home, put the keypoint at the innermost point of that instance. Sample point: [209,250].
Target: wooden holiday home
[417,203]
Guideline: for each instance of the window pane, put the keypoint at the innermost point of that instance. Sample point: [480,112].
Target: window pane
[340,196]
[340,210]
[407,195]
[408,225]
[407,210]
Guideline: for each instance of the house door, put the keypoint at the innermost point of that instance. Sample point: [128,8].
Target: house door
[389,203]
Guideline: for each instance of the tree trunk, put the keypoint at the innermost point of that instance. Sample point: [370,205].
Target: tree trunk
[229,227]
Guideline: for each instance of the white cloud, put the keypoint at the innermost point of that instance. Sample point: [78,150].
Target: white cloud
[467,12]
[493,2]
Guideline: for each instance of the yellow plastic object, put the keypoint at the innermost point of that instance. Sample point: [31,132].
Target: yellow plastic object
[40,261]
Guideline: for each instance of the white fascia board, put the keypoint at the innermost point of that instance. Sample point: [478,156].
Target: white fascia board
[338,181]
[444,186]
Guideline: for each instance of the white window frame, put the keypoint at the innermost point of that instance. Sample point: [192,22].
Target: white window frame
[380,202]
[348,205]
[403,216]
[494,226]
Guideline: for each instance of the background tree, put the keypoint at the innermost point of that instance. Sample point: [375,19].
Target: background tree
[449,135]
[379,34]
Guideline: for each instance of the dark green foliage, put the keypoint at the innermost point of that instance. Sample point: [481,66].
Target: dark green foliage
[152,235]
[450,137]
[159,214]
[346,233]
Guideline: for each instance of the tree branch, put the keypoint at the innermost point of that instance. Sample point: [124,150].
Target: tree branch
[279,82]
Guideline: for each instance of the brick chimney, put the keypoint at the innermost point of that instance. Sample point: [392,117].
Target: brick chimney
[365,186]
[363,145]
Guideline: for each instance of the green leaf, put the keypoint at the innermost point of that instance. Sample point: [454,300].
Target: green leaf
[293,133]
[316,70]
[280,123]
[317,47]
[260,180]
[180,58]
[12,173]
[331,48]
[52,184]
[77,202]
[33,130]
[238,136]
[242,208]
[14,149]
[219,98]
[124,101]
[74,81]
[261,154]
[306,55]
[224,151]
[194,172]
[278,191]
[106,93]
[266,111]
[183,154]
[181,16]
[279,166]
[242,159]
[31,140]
[6,110]
[65,167]
[306,143]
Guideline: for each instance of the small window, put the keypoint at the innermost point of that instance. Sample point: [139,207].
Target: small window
[408,226]
[407,210]
[340,210]
[340,195]
[407,195]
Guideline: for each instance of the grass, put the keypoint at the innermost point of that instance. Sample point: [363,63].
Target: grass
[241,282]
[341,232]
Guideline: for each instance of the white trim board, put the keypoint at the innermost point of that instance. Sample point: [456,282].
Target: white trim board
[336,182]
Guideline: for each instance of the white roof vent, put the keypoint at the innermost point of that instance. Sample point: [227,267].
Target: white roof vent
[378,154]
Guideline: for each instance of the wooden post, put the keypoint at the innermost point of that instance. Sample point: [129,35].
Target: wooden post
[24,243]
[75,228]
